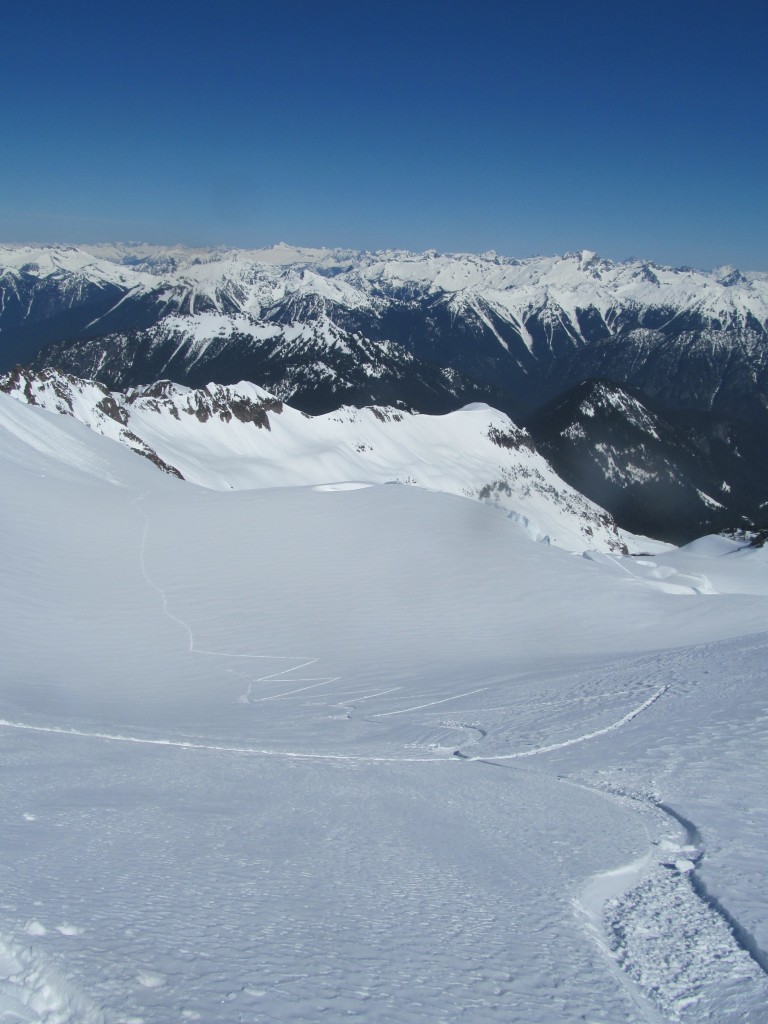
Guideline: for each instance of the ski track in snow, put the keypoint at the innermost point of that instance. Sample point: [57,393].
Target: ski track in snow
[216,748]
[303,662]
[742,936]
[576,739]
[669,943]
[431,704]
[368,758]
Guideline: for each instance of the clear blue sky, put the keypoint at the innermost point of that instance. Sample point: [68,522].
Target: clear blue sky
[537,127]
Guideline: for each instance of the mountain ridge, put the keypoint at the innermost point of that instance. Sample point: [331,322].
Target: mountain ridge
[242,437]
[528,327]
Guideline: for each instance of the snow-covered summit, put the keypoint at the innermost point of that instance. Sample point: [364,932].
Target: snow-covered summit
[67,262]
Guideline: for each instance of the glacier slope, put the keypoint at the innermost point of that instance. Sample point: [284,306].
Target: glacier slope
[229,724]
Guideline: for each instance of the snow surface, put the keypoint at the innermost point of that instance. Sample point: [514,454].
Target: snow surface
[300,753]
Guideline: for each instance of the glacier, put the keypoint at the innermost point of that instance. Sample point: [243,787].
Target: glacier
[327,751]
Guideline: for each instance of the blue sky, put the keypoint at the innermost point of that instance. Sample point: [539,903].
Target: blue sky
[632,129]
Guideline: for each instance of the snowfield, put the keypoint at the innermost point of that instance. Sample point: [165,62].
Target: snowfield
[329,752]
[240,437]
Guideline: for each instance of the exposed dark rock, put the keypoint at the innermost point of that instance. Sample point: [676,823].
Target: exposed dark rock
[136,444]
[514,440]
[110,408]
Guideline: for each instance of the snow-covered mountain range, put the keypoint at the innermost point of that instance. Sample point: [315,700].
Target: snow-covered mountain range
[132,314]
[240,436]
